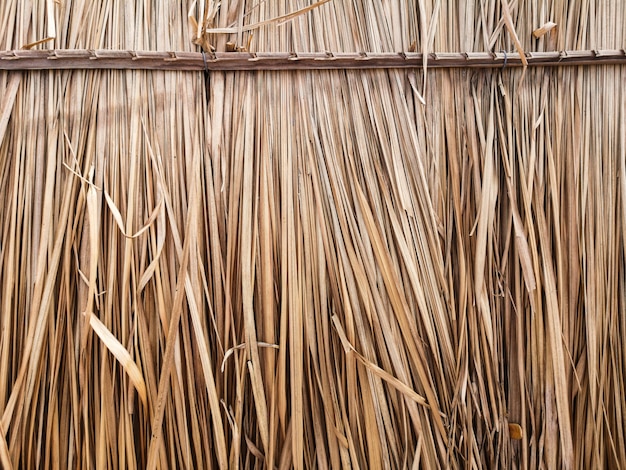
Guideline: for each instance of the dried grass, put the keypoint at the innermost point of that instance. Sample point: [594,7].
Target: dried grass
[313,269]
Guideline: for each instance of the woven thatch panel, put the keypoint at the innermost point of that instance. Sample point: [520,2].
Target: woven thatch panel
[313,269]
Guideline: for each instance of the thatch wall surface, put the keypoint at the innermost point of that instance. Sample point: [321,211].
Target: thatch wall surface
[313,269]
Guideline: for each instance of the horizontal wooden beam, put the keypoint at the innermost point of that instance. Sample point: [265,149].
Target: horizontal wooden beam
[63,59]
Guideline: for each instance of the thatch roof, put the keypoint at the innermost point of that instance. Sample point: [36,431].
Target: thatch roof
[370,268]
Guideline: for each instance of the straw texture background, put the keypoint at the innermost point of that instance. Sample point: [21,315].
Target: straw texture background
[313,269]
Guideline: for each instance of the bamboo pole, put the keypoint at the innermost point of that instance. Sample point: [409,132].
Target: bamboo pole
[67,59]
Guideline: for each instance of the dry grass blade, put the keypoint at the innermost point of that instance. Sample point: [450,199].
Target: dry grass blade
[5,458]
[393,381]
[508,21]
[6,104]
[121,354]
[279,21]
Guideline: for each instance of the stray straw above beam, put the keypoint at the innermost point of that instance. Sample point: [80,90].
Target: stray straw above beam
[63,59]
